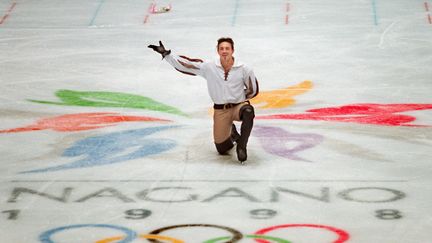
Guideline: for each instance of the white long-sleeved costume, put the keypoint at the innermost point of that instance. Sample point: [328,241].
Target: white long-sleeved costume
[235,86]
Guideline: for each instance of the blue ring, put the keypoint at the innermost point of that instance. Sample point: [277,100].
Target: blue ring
[46,236]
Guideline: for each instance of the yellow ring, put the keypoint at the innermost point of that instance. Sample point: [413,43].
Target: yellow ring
[156,237]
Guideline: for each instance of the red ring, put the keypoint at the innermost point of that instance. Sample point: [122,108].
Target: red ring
[343,235]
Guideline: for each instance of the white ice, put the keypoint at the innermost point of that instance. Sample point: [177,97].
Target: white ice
[305,181]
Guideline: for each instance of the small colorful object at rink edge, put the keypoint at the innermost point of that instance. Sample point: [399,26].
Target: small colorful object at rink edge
[164,9]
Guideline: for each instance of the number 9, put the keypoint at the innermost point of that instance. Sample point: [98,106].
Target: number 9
[137,213]
[263,213]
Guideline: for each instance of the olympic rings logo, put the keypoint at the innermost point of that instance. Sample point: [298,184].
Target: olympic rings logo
[155,237]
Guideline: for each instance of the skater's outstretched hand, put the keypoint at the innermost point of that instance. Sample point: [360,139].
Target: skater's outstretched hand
[160,49]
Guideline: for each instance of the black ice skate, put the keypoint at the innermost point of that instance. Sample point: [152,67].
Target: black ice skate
[235,136]
[241,153]
[247,115]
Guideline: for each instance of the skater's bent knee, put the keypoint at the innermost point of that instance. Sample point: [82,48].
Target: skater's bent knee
[247,112]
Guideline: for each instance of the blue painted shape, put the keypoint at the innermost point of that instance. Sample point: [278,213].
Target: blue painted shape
[374,10]
[46,236]
[111,148]
[101,2]
[234,17]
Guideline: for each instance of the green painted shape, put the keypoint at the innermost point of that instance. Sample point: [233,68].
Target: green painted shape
[109,99]
[264,237]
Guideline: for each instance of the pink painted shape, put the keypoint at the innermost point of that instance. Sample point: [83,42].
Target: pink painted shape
[8,12]
[79,122]
[343,236]
[150,11]
[376,114]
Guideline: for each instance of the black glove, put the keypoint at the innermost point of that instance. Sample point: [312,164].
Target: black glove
[160,49]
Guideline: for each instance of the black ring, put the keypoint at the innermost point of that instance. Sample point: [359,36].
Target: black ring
[236,234]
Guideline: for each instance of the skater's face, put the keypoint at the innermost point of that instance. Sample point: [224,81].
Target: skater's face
[225,50]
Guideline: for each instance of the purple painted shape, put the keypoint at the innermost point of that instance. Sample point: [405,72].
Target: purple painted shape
[274,139]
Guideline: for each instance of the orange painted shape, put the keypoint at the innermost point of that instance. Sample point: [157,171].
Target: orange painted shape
[281,98]
[81,121]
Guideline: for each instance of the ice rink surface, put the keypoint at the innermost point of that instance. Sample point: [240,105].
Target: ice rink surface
[101,141]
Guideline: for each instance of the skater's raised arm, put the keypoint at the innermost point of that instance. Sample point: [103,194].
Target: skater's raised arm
[182,64]
[160,49]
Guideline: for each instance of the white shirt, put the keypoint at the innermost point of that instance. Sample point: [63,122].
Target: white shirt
[235,86]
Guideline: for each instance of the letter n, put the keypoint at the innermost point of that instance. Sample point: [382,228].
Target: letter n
[236,193]
[324,197]
[18,190]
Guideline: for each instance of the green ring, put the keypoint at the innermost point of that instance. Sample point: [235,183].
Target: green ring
[264,237]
